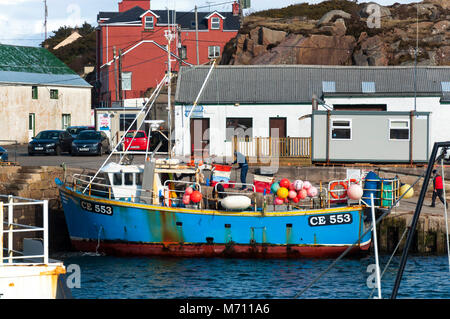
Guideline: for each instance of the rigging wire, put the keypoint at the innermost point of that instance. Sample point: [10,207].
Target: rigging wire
[357,241]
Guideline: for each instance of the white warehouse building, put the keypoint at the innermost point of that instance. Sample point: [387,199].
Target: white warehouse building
[269,111]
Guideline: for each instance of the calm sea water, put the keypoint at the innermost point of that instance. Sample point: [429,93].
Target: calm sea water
[153,278]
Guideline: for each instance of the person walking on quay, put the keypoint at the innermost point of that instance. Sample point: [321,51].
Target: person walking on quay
[243,165]
[438,189]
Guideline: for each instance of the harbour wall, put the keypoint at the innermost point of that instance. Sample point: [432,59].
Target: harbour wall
[38,182]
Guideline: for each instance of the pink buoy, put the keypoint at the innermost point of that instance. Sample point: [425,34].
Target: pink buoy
[292,194]
[355,192]
[312,191]
[298,184]
[278,201]
[306,185]
[302,194]
[189,191]
[186,199]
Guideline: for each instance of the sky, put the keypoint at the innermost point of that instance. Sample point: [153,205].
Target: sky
[22,21]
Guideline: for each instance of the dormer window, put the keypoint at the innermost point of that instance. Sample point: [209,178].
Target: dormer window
[215,23]
[149,22]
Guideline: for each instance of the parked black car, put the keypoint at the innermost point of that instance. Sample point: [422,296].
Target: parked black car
[3,154]
[50,142]
[91,142]
[75,130]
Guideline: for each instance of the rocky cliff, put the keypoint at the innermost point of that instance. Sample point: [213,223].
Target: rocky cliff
[340,32]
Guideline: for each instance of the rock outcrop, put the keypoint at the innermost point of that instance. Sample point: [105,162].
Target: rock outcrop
[365,34]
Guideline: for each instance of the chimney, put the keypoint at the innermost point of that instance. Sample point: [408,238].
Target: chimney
[235,8]
[126,5]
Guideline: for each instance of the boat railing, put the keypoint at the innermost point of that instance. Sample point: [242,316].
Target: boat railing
[338,195]
[385,192]
[105,189]
[235,184]
[10,228]
[170,190]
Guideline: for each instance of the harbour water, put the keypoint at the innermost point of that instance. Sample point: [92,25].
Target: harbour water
[105,277]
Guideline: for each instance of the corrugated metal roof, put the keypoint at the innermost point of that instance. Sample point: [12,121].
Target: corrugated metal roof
[42,79]
[297,83]
[34,65]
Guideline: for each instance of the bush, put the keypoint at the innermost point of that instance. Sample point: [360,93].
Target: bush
[314,11]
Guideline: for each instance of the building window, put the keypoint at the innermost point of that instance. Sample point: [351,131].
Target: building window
[34,92]
[215,23]
[213,52]
[149,22]
[126,81]
[341,129]
[398,129]
[54,94]
[126,120]
[328,86]
[240,127]
[368,87]
[65,121]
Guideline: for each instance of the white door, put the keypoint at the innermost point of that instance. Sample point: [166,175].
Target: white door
[31,126]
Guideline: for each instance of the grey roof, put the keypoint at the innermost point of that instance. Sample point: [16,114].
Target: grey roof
[297,83]
[184,19]
[36,66]
[106,15]
[43,79]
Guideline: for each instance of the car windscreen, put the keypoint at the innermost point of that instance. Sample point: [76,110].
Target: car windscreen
[47,135]
[76,130]
[87,135]
[138,134]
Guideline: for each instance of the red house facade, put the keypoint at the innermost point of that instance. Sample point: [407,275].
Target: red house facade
[137,34]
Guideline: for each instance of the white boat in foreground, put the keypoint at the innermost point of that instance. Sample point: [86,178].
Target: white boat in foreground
[29,273]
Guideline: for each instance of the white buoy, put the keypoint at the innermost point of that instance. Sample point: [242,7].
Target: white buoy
[237,202]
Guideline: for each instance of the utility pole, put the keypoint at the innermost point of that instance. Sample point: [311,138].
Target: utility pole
[45,18]
[115,74]
[120,78]
[196,34]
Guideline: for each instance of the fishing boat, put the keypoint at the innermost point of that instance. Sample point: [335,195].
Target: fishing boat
[118,216]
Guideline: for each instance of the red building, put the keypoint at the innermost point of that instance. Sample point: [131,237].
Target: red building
[138,34]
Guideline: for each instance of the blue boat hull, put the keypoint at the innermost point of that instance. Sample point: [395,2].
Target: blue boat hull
[124,228]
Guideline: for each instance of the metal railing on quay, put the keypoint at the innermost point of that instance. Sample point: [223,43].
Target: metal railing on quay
[13,228]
